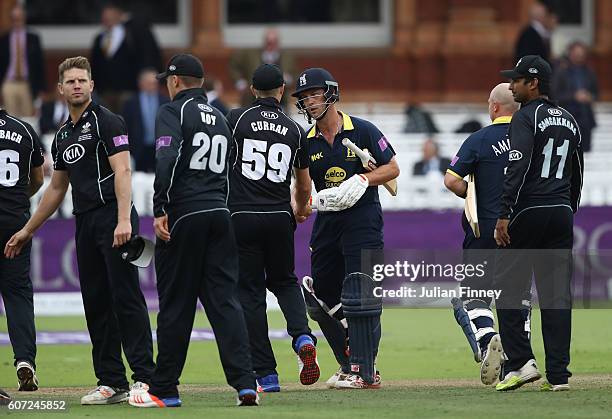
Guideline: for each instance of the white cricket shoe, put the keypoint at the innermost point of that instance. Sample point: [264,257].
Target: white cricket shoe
[26,377]
[139,387]
[331,382]
[546,386]
[105,395]
[143,398]
[515,379]
[353,381]
[492,361]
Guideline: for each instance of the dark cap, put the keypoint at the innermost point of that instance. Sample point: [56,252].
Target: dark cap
[529,66]
[268,77]
[138,251]
[183,65]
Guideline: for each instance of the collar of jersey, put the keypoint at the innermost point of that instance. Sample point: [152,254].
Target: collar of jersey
[268,101]
[347,125]
[91,106]
[503,119]
[194,91]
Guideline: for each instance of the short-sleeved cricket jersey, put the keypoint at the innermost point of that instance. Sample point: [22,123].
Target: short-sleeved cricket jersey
[268,144]
[82,149]
[485,155]
[332,165]
[20,150]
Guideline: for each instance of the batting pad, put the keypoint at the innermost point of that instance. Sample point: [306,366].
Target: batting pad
[362,310]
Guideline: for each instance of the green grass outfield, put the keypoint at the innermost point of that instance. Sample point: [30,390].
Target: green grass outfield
[426,368]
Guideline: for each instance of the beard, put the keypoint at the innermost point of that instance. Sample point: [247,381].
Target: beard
[80,101]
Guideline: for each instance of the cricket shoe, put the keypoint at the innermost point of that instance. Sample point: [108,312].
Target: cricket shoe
[492,361]
[4,398]
[105,395]
[307,361]
[26,377]
[247,397]
[546,386]
[268,384]
[145,399]
[354,381]
[515,379]
[339,375]
[139,387]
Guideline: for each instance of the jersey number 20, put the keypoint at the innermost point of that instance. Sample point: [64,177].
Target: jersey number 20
[200,160]
[9,170]
[256,165]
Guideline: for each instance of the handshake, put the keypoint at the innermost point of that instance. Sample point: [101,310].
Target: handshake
[341,197]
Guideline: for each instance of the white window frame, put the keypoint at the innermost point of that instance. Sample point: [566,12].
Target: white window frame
[82,37]
[564,34]
[304,35]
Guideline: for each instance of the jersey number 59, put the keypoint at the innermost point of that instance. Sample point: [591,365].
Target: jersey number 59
[256,165]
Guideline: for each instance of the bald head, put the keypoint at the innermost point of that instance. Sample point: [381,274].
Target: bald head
[501,102]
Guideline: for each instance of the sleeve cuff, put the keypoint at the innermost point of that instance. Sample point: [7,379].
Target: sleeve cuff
[450,172]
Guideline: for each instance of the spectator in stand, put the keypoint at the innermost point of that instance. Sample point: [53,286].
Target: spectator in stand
[21,66]
[214,91]
[244,63]
[53,113]
[148,53]
[139,113]
[431,162]
[419,120]
[535,37]
[114,59]
[574,87]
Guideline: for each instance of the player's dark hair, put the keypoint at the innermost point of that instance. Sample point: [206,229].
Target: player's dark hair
[543,85]
[73,62]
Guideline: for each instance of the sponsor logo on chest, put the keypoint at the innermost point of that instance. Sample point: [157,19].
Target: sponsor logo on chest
[73,153]
[334,176]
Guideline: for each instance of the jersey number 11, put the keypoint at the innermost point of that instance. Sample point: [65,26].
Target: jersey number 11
[561,151]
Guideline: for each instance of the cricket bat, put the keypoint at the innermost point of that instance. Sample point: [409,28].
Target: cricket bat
[369,162]
[471,212]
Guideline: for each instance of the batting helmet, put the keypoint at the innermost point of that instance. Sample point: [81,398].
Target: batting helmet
[316,78]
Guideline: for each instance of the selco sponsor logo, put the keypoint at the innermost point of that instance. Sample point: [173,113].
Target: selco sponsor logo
[269,115]
[334,176]
[74,153]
